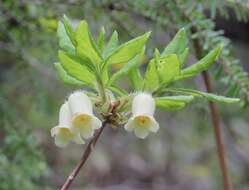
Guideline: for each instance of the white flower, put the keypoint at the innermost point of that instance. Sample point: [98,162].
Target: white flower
[83,120]
[142,120]
[62,132]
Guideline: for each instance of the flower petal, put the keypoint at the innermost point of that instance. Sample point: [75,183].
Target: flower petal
[142,125]
[96,123]
[65,115]
[85,125]
[79,102]
[78,140]
[60,142]
[86,131]
[154,127]
[141,132]
[143,104]
[129,126]
[79,121]
[63,136]
[54,131]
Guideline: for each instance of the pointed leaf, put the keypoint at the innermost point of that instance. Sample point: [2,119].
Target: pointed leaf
[64,40]
[219,99]
[178,98]
[168,68]
[151,78]
[101,39]
[85,44]
[75,69]
[172,103]
[69,30]
[177,45]
[128,67]
[208,96]
[124,70]
[135,75]
[67,79]
[128,50]
[201,65]
[183,57]
[157,54]
[112,44]
[118,90]
[136,79]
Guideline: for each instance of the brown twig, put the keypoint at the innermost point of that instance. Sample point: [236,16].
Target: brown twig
[90,147]
[84,157]
[218,137]
[215,116]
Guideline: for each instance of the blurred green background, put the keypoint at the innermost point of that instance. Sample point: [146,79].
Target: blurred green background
[182,156]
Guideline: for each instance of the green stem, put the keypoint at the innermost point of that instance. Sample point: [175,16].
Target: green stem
[100,85]
[101,90]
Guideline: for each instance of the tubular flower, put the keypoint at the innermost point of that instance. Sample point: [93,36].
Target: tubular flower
[83,120]
[142,120]
[62,132]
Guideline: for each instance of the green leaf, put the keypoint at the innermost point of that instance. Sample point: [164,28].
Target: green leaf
[111,45]
[69,30]
[170,105]
[101,39]
[177,45]
[118,90]
[124,53]
[220,99]
[105,75]
[208,96]
[151,78]
[183,57]
[173,102]
[128,67]
[157,55]
[168,68]
[201,65]
[179,98]
[75,69]
[67,79]
[124,70]
[85,44]
[136,78]
[64,40]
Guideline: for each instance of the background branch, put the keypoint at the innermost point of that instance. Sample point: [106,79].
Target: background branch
[215,116]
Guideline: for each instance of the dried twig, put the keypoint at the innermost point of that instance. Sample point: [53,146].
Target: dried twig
[215,116]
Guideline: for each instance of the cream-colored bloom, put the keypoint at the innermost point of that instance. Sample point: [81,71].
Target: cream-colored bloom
[62,132]
[83,120]
[142,120]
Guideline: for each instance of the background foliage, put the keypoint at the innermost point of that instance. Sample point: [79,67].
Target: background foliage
[180,156]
